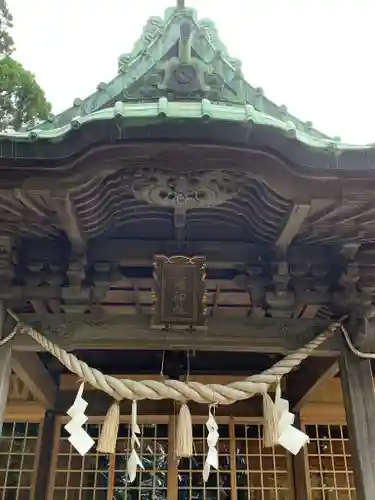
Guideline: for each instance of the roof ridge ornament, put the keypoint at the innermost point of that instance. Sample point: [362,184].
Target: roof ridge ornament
[185,75]
[178,56]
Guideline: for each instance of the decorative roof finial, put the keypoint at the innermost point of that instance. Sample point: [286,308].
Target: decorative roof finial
[180,4]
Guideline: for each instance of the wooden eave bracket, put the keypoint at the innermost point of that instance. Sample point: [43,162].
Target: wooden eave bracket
[295,220]
[30,370]
[64,206]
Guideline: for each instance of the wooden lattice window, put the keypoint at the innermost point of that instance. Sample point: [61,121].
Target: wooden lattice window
[18,452]
[261,473]
[76,477]
[190,479]
[152,482]
[247,471]
[330,463]
[96,477]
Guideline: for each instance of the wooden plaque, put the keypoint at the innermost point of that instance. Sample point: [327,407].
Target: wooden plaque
[179,292]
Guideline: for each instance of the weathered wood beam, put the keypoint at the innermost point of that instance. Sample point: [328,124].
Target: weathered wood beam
[5,368]
[295,220]
[31,371]
[66,213]
[302,382]
[236,296]
[359,399]
[24,411]
[45,454]
[141,253]
[83,331]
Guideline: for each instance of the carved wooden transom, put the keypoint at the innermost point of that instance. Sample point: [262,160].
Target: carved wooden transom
[193,190]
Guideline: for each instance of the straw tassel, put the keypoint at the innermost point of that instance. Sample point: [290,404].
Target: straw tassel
[270,425]
[108,436]
[184,438]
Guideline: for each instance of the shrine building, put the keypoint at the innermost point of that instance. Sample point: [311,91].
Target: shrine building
[187,290]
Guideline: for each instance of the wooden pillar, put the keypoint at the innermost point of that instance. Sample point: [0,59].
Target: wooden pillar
[300,470]
[359,399]
[5,369]
[43,471]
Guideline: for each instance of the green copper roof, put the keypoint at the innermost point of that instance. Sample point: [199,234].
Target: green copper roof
[180,70]
[180,43]
[143,113]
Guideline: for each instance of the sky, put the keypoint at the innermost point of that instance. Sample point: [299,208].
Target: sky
[315,56]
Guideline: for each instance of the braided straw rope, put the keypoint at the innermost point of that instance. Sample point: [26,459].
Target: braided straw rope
[174,389]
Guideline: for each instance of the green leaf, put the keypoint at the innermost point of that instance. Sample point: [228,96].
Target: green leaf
[22,101]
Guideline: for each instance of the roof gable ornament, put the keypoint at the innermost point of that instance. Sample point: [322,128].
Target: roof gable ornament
[185,74]
[178,57]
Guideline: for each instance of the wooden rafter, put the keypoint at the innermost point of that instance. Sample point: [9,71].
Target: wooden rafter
[295,220]
[67,215]
[302,382]
[31,371]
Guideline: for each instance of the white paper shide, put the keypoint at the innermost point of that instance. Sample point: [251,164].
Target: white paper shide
[134,461]
[290,438]
[79,438]
[212,459]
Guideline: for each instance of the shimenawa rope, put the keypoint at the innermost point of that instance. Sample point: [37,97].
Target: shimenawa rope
[180,391]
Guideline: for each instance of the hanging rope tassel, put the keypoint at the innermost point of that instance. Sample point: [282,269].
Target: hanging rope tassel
[134,461]
[270,424]
[108,436]
[212,459]
[184,438]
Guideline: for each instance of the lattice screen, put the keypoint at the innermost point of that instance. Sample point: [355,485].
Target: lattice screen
[80,478]
[257,473]
[152,482]
[247,470]
[95,477]
[190,481]
[18,451]
[261,473]
[330,463]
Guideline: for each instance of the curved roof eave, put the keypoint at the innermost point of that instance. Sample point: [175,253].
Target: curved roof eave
[186,110]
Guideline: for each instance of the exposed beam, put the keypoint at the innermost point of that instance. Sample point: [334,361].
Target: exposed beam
[31,371]
[304,381]
[359,399]
[24,411]
[66,213]
[5,368]
[83,331]
[295,220]
[218,253]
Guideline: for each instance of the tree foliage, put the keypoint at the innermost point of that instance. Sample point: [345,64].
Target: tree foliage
[22,100]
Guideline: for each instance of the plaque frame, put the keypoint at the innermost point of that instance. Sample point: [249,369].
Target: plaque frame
[179,292]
